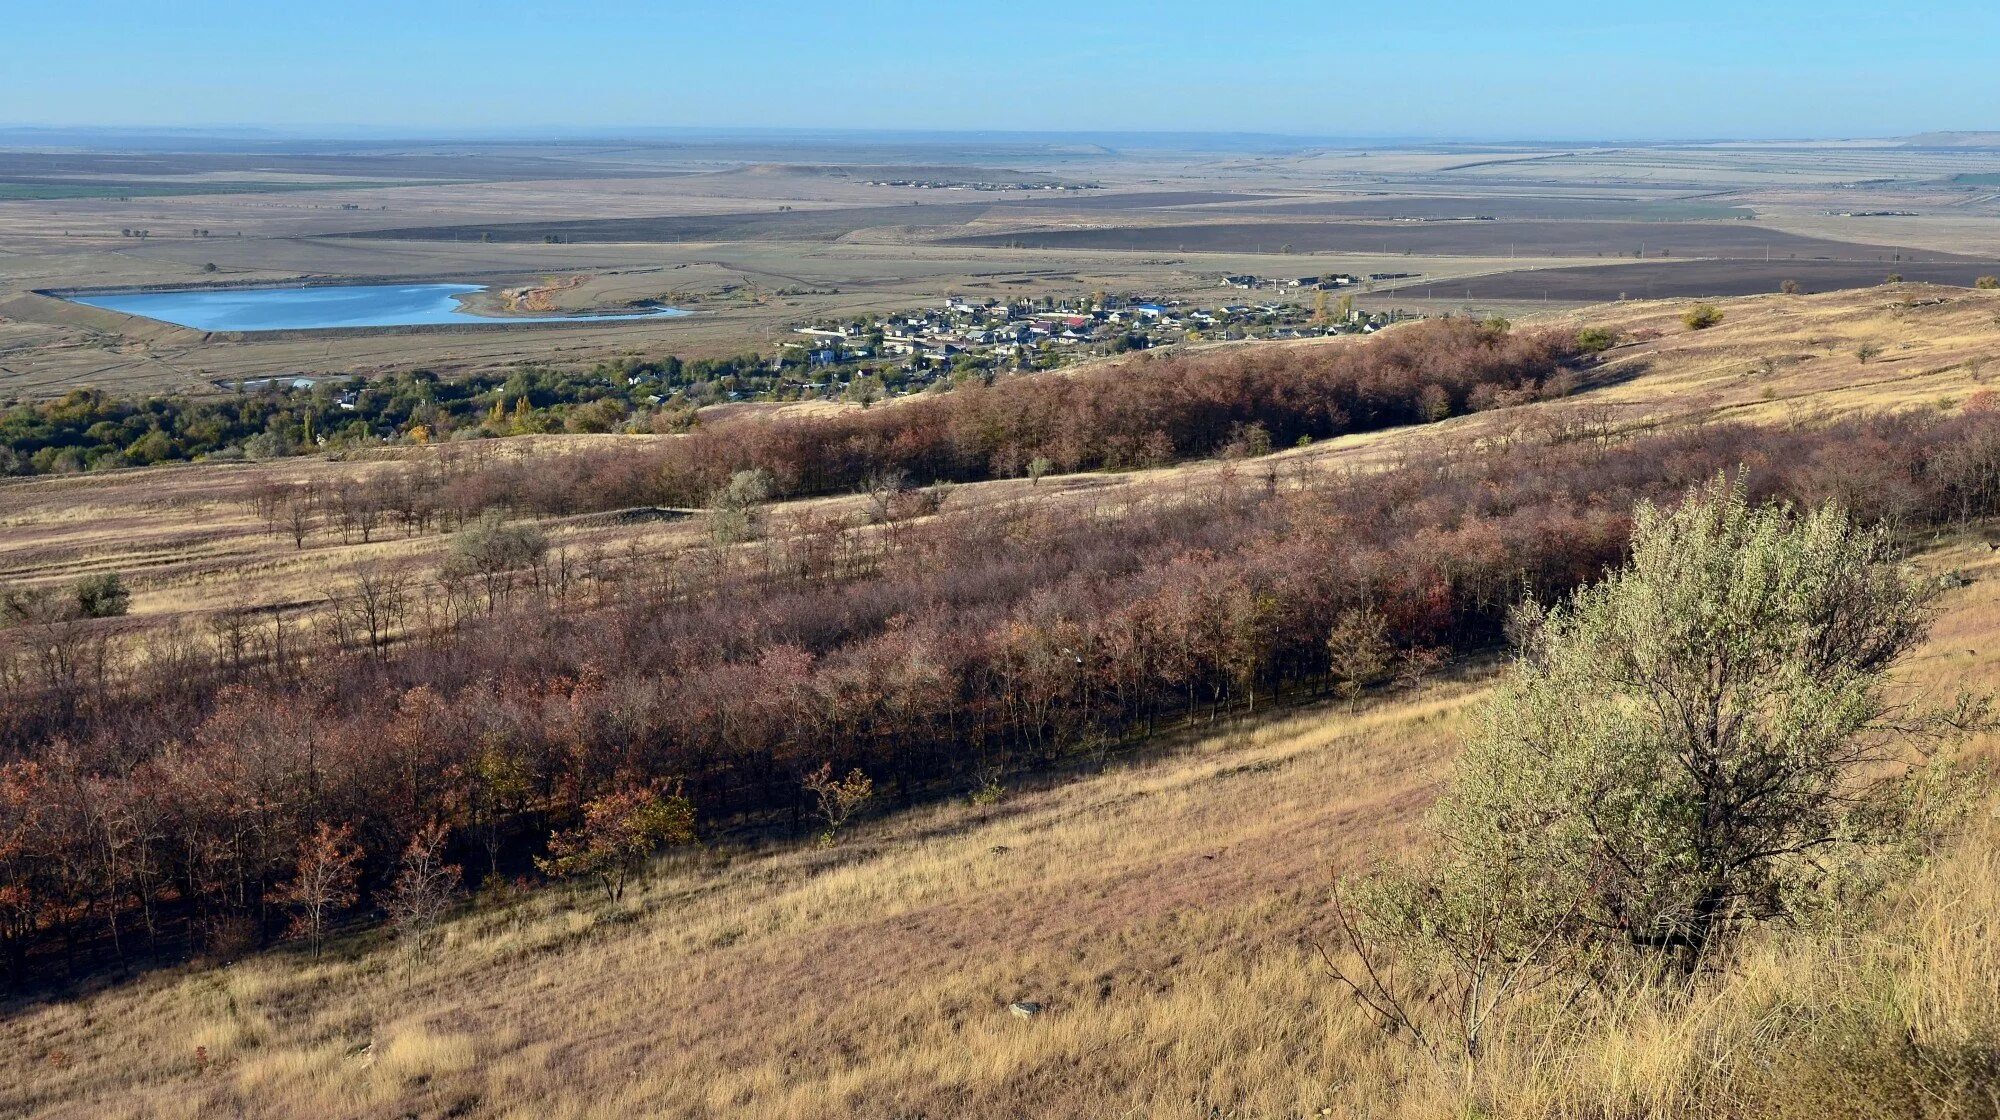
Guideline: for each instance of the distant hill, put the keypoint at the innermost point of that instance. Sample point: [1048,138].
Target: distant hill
[1952,140]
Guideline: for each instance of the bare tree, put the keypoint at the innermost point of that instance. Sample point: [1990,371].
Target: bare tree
[424,889]
[323,880]
[300,516]
[496,552]
[375,602]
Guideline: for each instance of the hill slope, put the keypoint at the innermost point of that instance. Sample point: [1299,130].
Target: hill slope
[1161,912]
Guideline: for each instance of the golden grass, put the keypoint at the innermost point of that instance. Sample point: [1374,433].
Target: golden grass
[1161,911]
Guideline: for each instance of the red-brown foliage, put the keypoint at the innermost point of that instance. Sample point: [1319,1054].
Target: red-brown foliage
[929,656]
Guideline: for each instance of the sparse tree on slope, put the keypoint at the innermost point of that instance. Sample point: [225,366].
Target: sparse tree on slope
[837,798]
[424,888]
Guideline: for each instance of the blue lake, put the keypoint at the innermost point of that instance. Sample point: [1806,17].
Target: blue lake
[307,308]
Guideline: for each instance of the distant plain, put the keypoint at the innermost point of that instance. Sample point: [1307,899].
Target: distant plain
[757,236]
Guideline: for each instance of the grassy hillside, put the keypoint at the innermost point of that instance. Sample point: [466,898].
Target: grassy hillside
[191,543]
[1163,912]
[1166,911]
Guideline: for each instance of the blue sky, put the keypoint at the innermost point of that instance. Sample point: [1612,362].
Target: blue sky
[1530,69]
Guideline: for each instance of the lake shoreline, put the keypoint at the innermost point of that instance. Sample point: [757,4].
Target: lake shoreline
[309,306]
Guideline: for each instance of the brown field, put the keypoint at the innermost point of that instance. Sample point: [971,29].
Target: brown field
[1457,239]
[1692,279]
[1553,207]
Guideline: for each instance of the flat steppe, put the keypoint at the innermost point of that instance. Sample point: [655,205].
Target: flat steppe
[758,237]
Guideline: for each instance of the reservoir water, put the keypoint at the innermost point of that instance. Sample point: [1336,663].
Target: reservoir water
[308,308]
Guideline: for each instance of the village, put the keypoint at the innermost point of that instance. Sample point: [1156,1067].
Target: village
[909,351]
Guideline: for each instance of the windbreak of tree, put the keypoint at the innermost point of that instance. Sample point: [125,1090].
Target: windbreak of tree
[163,791]
[1146,413]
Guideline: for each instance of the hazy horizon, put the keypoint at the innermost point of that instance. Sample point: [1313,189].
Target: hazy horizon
[1545,70]
[88,134]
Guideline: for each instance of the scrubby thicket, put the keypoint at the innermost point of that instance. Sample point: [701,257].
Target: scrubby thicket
[1148,412]
[166,788]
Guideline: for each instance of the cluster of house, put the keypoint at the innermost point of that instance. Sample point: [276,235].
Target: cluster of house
[1330,283]
[1309,283]
[980,185]
[996,334]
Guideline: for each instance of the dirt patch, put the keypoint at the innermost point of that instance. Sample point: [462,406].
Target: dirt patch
[1679,279]
[1460,239]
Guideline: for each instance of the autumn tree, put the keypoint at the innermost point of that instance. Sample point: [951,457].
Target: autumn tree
[499,784]
[323,882]
[837,799]
[424,888]
[24,836]
[1359,651]
[619,832]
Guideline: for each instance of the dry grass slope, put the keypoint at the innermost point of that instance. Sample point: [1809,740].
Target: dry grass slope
[1161,911]
[1156,910]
